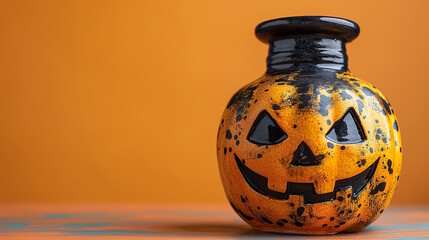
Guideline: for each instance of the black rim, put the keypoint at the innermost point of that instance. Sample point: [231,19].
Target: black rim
[320,26]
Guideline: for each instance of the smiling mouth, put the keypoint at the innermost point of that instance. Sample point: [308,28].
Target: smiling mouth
[259,183]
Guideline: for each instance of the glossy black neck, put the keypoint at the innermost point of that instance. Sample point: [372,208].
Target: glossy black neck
[307,53]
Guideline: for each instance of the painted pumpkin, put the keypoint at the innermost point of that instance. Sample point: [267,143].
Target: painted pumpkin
[309,148]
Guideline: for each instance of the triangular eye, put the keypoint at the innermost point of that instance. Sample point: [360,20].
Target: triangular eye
[347,130]
[265,131]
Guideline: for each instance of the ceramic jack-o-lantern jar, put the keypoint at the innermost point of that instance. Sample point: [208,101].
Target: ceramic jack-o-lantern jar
[308,147]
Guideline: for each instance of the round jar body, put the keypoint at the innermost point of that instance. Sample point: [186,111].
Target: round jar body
[310,152]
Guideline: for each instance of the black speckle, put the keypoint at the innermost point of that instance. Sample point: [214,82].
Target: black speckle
[241,101]
[266,90]
[266,220]
[283,220]
[304,88]
[349,195]
[349,211]
[367,91]
[304,98]
[341,212]
[235,137]
[320,157]
[337,226]
[371,150]
[237,142]
[382,211]
[324,225]
[359,205]
[330,145]
[224,151]
[379,188]
[292,204]
[298,224]
[294,126]
[300,211]
[395,125]
[331,219]
[340,198]
[361,162]
[228,135]
[259,155]
[230,149]
[356,84]
[389,165]
[238,117]
[323,104]
[343,147]
[280,224]
[345,96]
[342,223]
[360,105]
[233,100]
[276,107]
[328,122]
[376,120]
[385,105]
[243,199]
[358,215]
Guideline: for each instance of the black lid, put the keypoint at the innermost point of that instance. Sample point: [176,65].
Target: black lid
[290,27]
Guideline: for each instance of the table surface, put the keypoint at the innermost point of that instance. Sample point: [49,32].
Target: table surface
[130,221]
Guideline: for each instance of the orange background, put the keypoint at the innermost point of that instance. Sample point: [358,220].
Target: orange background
[121,100]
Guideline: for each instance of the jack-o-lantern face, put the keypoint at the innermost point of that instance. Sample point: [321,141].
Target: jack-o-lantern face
[309,153]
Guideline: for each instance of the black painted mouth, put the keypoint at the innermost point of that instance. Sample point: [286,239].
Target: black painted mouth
[259,183]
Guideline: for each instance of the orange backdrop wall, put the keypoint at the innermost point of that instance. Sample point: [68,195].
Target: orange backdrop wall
[121,100]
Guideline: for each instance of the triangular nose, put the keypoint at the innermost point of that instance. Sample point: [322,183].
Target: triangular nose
[303,156]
